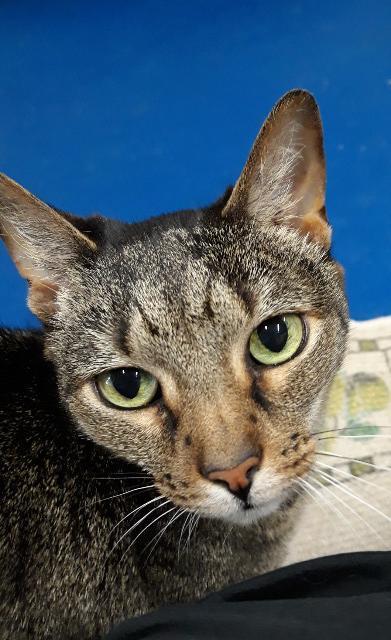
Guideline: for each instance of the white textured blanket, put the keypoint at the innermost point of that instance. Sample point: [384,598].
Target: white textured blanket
[352,489]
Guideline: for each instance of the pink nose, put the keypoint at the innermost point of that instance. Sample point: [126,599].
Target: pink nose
[239,477]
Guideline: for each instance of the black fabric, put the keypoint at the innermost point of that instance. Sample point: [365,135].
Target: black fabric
[338,598]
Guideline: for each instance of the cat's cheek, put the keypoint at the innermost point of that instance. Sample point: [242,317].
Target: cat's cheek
[129,434]
[316,410]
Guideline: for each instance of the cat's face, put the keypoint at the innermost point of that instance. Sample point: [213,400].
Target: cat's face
[201,348]
[183,308]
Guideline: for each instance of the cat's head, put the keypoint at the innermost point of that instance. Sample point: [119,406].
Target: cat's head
[198,345]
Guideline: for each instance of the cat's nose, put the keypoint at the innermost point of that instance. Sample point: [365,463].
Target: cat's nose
[238,480]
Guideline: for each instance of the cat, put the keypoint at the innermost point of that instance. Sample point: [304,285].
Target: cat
[153,431]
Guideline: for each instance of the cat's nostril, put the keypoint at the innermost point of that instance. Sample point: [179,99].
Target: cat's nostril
[238,479]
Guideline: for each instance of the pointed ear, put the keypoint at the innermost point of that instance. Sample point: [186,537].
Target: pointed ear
[44,245]
[284,178]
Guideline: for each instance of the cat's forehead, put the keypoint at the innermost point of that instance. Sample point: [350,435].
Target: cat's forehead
[187,297]
[176,286]
[213,274]
[231,252]
[182,298]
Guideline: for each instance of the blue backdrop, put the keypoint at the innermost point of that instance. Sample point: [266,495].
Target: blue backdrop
[134,108]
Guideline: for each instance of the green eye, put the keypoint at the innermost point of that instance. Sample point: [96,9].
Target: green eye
[127,388]
[277,339]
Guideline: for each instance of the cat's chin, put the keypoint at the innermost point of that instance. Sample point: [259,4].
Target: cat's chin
[246,516]
[235,511]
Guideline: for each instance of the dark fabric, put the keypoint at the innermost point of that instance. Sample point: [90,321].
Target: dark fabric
[338,598]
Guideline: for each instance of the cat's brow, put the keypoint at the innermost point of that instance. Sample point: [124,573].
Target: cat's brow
[120,336]
[152,328]
[239,289]
[208,306]
[246,296]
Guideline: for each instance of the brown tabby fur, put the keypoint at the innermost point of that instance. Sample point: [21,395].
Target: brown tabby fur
[178,296]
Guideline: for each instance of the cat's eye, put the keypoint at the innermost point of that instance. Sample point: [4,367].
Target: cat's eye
[277,339]
[127,388]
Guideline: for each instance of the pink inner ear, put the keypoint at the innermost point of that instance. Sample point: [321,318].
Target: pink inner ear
[309,214]
[43,244]
[42,299]
[316,227]
[283,180]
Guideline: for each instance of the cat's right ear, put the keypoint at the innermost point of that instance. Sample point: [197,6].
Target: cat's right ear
[44,245]
[283,181]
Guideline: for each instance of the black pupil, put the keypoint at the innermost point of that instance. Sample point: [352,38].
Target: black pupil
[273,333]
[126,381]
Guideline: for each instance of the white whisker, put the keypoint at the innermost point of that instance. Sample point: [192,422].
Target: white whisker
[189,514]
[138,522]
[122,478]
[332,506]
[352,476]
[149,525]
[160,534]
[229,531]
[356,497]
[135,511]
[368,464]
[198,518]
[191,528]
[355,437]
[117,495]
[300,482]
[375,426]
[345,504]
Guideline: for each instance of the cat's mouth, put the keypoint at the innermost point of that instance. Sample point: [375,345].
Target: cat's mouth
[269,491]
[247,506]
[248,513]
[268,495]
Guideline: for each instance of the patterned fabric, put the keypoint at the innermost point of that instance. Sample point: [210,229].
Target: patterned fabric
[359,407]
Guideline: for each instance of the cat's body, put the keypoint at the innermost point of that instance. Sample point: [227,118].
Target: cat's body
[62,581]
[97,491]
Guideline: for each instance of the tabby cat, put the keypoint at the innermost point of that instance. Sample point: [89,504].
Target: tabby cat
[153,431]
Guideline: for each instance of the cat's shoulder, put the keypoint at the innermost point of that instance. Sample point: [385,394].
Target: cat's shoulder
[24,371]
[20,346]
[29,401]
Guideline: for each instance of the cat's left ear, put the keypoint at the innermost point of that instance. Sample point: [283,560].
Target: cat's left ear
[44,245]
[283,181]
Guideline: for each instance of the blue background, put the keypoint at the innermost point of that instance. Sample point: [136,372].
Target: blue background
[134,108]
